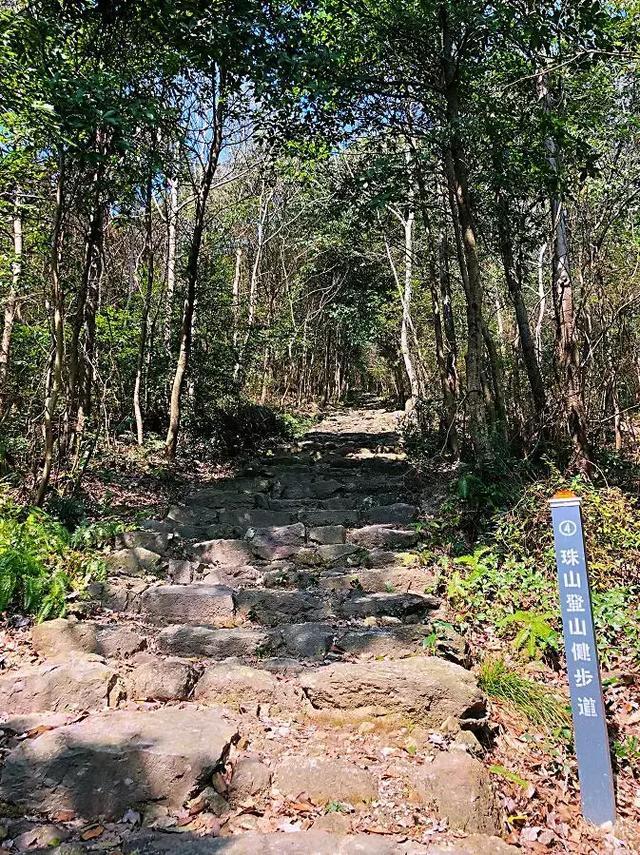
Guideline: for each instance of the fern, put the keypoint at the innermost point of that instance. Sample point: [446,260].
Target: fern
[39,569]
[536,636]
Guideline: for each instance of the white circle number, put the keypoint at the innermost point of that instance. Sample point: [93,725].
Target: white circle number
[568,528]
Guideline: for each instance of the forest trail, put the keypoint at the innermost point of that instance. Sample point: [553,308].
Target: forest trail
[255,666]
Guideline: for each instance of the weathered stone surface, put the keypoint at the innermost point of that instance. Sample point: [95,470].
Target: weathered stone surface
[123,562]
[458,788]
[151,541]
[299,843]
[272,544]
[121,595]
[161,680]
[410,607]
[41,837]
[188,517]
[305,489]
[250,777]
[308,640]
[271,607]
[216,643]
[422,689]
[323,780]
[394,579]
[205,605]
[474,844]
[335,552]
[20,723]
[119,641]
[132,561]
[316,517]
[79,684]
[371,536]
[242,519]
[398,512]
[112,761]
[220,498]
[230,553]
[182,572]
[326,534]
[60,637]
[391,642]
[241,686]
[334,822]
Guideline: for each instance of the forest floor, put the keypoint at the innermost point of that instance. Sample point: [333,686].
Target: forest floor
[260,673]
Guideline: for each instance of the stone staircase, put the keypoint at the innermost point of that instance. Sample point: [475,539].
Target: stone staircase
[254,666]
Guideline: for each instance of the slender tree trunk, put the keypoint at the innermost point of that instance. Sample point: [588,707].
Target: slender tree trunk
[80,363]
[54,382]
[446,369]
[186,327]
[235,295]
[497,370]
[562,287]
[12,301]
[172,245]
[514,285]
[456,161]
[405,326]
[144,319]
[263,210]
[443,320]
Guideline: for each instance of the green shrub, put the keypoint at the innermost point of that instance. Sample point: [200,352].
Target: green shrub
[509,579]
[238,425]
[39,568]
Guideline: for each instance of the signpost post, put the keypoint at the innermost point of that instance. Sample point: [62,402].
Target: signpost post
[587,705]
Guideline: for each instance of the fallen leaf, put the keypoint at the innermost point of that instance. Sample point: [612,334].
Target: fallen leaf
[63,816]
[93,832]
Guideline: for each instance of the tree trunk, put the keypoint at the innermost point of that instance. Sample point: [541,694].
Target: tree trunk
[186,327]
[263,211]
[562,289]
[12,301]
[235,295]
[80,358]
[405,347]
[144,319]
[514,285]
[456,161]
[54,381]
[172,243]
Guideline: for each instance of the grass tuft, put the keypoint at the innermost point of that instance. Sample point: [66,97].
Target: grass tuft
[540,705]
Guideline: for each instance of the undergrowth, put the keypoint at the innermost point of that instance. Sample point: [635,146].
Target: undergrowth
[536,702]
[503,577]
[41,567]
[236,426]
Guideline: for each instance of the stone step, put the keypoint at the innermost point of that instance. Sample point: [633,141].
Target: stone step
[311,843]
[309,641]
[273,606]
[101,766]
[206,642]
[198,603]
[422,690]
[383,536]
[391,579]
[220,606]
[74,684]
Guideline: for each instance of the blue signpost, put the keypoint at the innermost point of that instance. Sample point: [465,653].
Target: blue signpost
[587,705]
